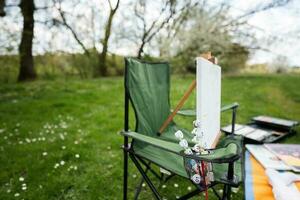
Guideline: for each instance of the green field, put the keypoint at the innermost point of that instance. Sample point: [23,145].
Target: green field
[62,137]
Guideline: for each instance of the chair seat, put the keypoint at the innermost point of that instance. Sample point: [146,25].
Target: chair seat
[175,163]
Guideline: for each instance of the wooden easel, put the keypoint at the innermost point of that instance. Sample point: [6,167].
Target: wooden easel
[186,95]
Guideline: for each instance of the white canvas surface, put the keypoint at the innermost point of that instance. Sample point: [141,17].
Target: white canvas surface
[208,100]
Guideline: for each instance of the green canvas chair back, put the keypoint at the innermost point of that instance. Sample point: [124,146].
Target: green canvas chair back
[148,86]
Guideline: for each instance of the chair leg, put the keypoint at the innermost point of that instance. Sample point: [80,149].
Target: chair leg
[190,195]
[139,187]
[147,165]
[137,164]
[125,175]
[226,192]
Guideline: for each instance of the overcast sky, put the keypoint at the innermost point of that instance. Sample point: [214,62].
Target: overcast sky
[282,23]
[279,23]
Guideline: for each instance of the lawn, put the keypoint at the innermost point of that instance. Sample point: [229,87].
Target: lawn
[59,139]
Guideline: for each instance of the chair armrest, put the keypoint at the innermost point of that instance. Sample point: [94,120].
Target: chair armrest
[163,144]
[225,154]
[192,112]
[230,106]
[187,112]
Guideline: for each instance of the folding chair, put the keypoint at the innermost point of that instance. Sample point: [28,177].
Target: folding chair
[147,87]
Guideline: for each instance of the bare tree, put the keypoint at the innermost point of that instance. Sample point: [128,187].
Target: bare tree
[171,15]
[149,31]
[27,71]
[102,56]
[101,69]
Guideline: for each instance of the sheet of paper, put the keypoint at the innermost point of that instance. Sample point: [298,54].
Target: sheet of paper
[283,185]
[288,153]
[266,158]
[208,100]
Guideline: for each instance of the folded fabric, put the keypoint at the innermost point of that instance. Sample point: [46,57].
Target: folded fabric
[283,184]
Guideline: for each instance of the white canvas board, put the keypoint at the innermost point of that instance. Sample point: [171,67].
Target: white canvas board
[208,101]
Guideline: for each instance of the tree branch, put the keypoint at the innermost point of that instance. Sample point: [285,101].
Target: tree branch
[68,26]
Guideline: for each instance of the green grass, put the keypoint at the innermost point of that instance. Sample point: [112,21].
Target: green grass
[66,118]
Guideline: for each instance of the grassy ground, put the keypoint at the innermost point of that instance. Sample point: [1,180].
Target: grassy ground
[58,139]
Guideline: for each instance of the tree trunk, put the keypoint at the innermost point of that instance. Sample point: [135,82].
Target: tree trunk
[27,71]
[141,50]
[102,55]
[102,70]
[2,11]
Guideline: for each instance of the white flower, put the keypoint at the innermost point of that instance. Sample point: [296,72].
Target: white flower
[188,151]
[56,165]
[183,143]
[24,185]
[143,184]
[189,188]
[75,142]
[75,168]
[63,147]
[45,153]
[24,188]
[62,162]
[62,137]
[63,125]
[2,130]
[8,191]
[20,142]
[164,186]
[17,194]
[175,185]
[77,156]
[33,139]
[21,179]
[179,134]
